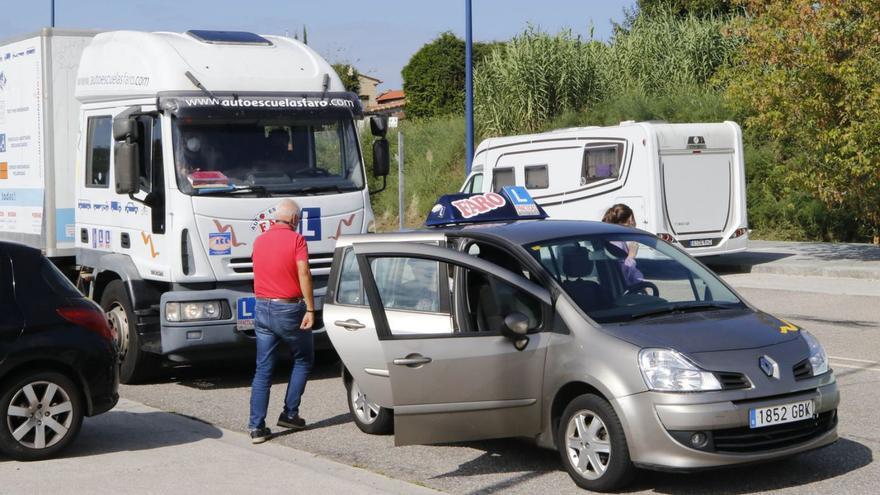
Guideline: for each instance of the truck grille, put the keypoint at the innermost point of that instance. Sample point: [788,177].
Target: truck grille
[733,381]
[803,370]
[319,263]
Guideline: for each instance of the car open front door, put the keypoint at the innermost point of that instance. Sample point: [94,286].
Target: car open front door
[454,379]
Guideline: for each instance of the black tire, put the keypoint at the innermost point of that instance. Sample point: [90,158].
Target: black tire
[370,418]
[619,470]
[67,395]
[136,365]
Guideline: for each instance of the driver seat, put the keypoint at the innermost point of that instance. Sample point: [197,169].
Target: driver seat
[576,264]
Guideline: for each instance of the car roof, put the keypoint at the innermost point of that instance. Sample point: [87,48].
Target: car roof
[18,248]
[520,232]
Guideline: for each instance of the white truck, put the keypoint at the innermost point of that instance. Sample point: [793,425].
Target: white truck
[147,164]
[684,182]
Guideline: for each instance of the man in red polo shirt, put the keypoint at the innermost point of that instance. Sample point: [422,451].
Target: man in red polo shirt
[284,313]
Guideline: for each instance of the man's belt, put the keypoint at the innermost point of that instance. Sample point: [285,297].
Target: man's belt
[289,300]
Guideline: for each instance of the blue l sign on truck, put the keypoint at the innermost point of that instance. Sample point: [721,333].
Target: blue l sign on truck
[310,224]
[246,313]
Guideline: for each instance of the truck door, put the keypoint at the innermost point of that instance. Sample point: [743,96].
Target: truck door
[454,379]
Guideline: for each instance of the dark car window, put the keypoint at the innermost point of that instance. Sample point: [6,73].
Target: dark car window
[624,277]
[489,300]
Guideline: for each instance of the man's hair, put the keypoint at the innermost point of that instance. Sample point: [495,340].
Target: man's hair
[286,210]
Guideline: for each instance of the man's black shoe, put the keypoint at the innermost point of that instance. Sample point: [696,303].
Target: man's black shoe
[260,435]
[293,422]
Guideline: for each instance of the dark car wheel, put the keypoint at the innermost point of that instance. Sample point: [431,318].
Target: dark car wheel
[368,416]
[42,414]
[592,445]
[135,365]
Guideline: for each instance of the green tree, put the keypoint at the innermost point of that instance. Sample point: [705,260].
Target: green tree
[807,79]
[701,8]
[349,76]
[433,79]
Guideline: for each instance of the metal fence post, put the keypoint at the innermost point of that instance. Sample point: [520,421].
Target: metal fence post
[401,207]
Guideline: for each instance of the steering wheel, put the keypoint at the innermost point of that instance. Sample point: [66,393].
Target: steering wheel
[641,288]
[312,172]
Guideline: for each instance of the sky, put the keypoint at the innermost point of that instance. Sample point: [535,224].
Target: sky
[377,37]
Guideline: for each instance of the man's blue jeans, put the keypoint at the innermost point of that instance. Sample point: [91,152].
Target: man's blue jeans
[275,323]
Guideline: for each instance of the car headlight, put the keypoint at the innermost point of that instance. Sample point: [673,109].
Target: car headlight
[818,358]
[666,370]
[193,311]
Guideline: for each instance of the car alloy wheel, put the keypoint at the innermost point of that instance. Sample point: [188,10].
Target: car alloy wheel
[366,411]
[588,444]
[39,415]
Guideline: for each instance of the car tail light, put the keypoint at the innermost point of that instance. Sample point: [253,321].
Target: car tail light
[88,317]
[739,232]
[666,237]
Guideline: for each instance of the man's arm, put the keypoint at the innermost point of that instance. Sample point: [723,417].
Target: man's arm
[305,284]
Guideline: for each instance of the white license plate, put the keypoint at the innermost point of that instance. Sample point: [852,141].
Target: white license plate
[700,242]
[760,417]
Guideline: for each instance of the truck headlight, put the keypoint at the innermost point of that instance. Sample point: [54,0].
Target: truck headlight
[666,370]
[818,358]
[193,311]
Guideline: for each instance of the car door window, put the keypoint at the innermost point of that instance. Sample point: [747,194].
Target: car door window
[409,284]
[351,288]
[488,300]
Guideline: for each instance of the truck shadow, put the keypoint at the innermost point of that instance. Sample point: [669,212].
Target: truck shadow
[120,431]
[507,456]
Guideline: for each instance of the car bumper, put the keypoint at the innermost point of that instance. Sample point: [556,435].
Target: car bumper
[725,245]
[205,340]
[659,425]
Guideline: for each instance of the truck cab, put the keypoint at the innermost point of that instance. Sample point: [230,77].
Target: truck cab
[187,142]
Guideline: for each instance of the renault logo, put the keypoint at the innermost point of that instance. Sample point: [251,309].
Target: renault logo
[769,366]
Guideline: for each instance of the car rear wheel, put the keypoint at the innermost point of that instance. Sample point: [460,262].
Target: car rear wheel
[42,413]
[135,365]
[368,416]
[592,445]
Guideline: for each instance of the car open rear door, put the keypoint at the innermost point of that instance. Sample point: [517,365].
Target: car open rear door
[449,384]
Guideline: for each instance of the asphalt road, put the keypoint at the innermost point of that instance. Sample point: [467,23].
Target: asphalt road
[845,316]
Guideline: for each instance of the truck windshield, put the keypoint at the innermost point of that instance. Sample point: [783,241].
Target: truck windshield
[293,155]
[630,277]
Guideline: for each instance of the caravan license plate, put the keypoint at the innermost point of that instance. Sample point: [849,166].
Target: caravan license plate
[244,317]
[700,242]
[781,414]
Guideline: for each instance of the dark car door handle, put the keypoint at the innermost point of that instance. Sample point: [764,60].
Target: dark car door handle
[350,324]
[412,360]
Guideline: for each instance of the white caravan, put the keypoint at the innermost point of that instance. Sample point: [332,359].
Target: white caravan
[149,163]
[684,182]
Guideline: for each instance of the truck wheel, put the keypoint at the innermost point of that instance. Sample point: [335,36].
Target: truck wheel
[135,364]
[368,416]
[42,412]
[592,445]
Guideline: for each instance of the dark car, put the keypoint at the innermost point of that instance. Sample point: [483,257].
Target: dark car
[58,358]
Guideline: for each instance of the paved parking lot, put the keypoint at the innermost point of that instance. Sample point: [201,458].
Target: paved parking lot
[845,317]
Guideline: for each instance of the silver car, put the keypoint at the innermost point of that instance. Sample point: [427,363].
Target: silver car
[548,330]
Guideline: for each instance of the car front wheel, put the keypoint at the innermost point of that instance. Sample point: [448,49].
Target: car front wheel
[592,445]
[368,416]
[42,413]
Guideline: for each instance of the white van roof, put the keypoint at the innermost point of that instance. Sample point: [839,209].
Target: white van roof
[132,64]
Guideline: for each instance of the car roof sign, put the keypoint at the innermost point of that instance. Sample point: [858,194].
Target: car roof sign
[511,204]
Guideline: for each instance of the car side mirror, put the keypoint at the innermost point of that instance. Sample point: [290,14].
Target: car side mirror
[381,158]
[516,328]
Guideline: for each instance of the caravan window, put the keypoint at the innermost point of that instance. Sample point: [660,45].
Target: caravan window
[502,177]
[601,162]
[536,177]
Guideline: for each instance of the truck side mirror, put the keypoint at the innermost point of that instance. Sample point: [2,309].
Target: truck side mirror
[381,158]
[124,128]
[125,167]
[379,125]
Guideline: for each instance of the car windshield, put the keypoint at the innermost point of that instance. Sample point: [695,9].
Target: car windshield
[630,277]
[293,155]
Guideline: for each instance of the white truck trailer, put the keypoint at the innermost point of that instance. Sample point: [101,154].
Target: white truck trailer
[149,162]
[684,182]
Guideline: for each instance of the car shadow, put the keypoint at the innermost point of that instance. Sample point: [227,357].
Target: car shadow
[509,456]
[119,431]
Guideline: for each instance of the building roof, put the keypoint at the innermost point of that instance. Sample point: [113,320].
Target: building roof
[371,78]
[390,95]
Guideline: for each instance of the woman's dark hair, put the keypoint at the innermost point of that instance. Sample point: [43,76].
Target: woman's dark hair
[619,214]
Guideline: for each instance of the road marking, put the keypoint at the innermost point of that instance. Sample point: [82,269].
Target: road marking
[854,359]
[855,364]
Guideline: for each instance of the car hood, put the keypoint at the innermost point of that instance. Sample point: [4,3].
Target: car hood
[707,331]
